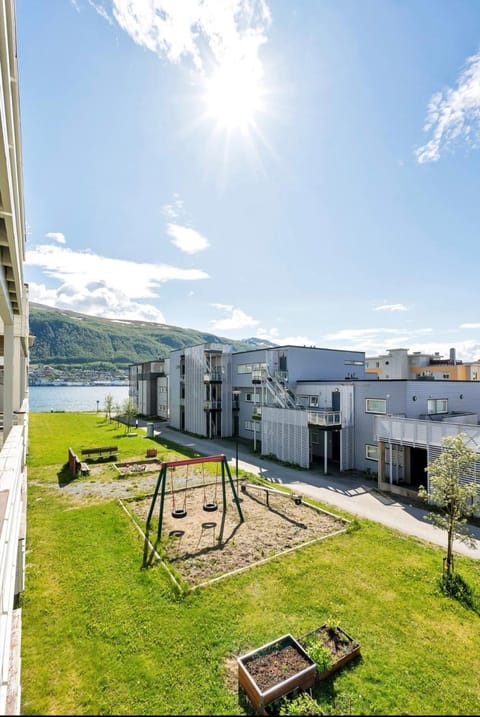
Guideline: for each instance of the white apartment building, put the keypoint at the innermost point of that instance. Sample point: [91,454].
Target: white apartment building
[14,356]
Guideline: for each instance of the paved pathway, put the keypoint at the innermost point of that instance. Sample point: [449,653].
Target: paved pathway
[351,493]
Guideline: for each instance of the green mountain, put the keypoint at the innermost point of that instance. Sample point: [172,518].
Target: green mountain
[67,340]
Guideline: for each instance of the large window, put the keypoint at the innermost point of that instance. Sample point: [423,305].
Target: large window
[376,405]
[437,405]
[249,367]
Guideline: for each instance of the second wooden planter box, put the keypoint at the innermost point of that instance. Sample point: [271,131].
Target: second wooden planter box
[342,647]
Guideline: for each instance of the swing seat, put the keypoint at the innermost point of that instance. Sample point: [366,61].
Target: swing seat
[179,513]
[210,507]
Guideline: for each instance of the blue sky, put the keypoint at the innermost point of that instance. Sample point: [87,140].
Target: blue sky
[304,171]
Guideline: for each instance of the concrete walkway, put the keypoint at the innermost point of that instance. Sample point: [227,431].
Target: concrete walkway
[349,492]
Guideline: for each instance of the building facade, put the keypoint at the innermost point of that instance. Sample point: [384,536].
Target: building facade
[320,408]
[14,357]
[398,363]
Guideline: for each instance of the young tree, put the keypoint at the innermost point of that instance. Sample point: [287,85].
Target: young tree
[129,410]
[456,501]
[108,406]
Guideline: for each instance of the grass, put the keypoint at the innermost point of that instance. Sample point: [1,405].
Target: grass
[101,635]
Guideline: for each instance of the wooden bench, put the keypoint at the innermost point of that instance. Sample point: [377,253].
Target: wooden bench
[109,452]
[73,462]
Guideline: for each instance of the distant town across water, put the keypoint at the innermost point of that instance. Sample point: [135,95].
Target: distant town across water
[74,398]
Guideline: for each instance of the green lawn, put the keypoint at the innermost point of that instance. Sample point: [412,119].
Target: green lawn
[102,635]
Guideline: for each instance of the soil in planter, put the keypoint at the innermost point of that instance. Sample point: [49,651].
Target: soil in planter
[274,667]
[336,640]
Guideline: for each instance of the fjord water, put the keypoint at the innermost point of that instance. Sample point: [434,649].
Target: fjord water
[73,398]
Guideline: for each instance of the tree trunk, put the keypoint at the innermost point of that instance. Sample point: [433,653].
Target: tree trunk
[450,552]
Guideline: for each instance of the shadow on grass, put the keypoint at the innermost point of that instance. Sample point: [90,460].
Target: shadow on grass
[456,587]
[65,476]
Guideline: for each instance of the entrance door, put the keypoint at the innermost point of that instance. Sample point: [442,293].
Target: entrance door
[418,463]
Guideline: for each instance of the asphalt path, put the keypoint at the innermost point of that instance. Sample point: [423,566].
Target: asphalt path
[350,492]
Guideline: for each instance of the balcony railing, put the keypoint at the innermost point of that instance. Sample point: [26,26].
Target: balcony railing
[212,376]
[414,432]
[324,418]
[212,405]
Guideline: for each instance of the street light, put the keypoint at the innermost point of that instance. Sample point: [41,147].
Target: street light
[236,396]
[97,404]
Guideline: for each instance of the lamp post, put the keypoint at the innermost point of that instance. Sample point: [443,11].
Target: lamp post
[236,396]
[97,404]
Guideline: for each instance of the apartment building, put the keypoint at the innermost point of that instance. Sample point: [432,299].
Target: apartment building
[14,356]
[399,363]
[318,408]
[148,388]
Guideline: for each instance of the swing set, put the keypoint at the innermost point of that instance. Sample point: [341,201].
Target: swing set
[179,510]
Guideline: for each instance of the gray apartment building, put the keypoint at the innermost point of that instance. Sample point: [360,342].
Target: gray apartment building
[315,408]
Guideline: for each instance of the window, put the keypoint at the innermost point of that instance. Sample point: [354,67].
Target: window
[249,367]
[353,363]
[371,452]
[437,405]
[376,405]
[446,375]
[253,397]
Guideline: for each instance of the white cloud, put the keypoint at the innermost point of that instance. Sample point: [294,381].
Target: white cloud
[56,236]
[173,210]
[196,29]
[101,286]
[391,307]
[237,319]
[186,239]
[100,10]
[470,326]
[454,114]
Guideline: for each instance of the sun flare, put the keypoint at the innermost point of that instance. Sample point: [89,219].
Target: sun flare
[234,96]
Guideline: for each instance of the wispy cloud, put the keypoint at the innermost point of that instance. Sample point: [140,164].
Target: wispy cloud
[173,210]
[101,286]
[235,319]
[100,10]
[391,307]
[186,239]
[56,236]
[195,29]
[453,114]
[470,326]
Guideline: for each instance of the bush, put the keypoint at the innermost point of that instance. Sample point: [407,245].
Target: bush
[301,704]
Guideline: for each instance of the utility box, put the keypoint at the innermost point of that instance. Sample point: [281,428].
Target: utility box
[150,430]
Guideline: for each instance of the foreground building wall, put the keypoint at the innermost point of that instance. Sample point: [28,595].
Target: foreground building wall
[14,351]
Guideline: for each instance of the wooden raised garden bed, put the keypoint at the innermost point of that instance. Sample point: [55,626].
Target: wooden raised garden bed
[274,670]
[342,648]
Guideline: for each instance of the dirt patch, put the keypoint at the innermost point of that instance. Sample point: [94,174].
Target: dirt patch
[203,545]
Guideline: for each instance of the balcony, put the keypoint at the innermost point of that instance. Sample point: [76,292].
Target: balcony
[421,433]
[259,375]
[325,418]
[212,405]
[212,376]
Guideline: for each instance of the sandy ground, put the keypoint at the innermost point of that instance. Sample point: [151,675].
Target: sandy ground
[207,544]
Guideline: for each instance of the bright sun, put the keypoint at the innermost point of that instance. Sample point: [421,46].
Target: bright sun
[234,96]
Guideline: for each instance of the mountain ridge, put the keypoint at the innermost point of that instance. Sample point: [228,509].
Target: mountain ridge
[68,340]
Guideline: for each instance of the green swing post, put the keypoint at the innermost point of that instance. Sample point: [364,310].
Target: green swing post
[232,485]
[161,480]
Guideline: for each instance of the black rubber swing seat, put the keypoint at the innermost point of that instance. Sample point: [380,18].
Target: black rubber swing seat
[179,513]
[210,507]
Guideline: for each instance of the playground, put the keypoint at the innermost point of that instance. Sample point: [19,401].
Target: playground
[213,529]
